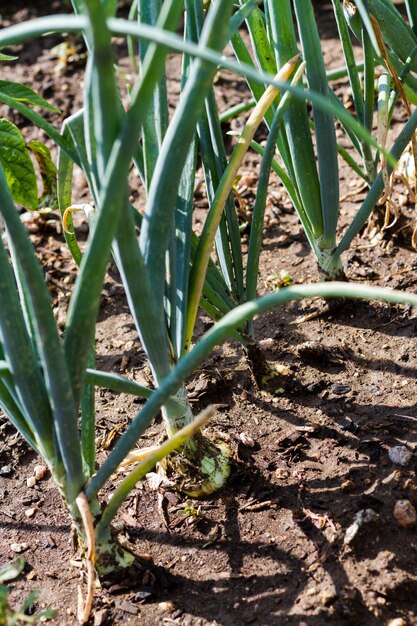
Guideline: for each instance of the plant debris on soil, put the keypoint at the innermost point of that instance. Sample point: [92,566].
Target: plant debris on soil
[317,523]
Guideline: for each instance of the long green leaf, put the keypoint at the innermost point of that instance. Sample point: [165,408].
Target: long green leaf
[159,212]
[212,221]
[181,255]
[323,121]
[412,14]
[139,291]
[86,297]
[105,108]
[297,123]
[14,412]
[348,53]
[50,348]
[156,123]
[23,364]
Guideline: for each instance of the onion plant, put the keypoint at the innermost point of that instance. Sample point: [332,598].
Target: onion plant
[47,382]
[307,168]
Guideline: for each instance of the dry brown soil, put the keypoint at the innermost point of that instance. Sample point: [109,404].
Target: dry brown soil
[271,547]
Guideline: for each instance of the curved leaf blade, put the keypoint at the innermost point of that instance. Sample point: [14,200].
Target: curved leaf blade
[17,165]
[25,94]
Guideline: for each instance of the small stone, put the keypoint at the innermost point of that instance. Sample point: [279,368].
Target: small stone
[283,240]
[6,470]
[400,455]
[246,440]
[166,606]
[405,513]
[31,481]
[348,485]
[267,344]
[30,512]
[397,621]
[100,617]
[340,389]
[126,607]
[39,471]
[365,516]
[142,595]
[18,547]
[348,425]
[327,598]
[282,474]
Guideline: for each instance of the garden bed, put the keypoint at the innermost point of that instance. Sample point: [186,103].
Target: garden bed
[272,547]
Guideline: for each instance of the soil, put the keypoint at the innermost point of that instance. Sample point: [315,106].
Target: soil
[309,458]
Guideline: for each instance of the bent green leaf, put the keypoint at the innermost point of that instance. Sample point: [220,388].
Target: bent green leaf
[22,93]
[17,165]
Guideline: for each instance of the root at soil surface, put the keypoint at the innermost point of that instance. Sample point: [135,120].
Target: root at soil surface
[200,468]
[270,378]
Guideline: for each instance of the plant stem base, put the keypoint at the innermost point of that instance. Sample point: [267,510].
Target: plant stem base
[200,468]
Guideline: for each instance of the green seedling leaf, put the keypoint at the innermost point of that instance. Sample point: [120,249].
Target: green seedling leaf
[21,93]
[46,614]
[7,57]
[29,600]
[48,173]
[4,605]
[12,570]
[17,165]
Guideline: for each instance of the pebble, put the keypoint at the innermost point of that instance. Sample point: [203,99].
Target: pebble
[18,547]
[246,440]
[327,598]
[281,473]
[100,617]
[30,512]
[365,516]
[347,424]
[348,485]
[267,344]
[31,481]
[340,389]
[397,621]
[405,513]
[5,470]
[166,606]
[39,471]
[283,240]
[400,455]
